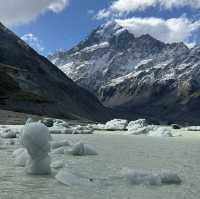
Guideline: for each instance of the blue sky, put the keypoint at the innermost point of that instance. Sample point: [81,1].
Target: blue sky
[64,29]
[60,24]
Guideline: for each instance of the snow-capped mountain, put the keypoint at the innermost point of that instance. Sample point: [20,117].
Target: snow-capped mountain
[136,73]
[31,83]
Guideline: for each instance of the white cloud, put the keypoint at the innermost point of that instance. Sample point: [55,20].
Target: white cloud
[167,30]
[126,6]
[104,13]
[170,30]
[58,5]
[33,41]
[133,5]
[15,12]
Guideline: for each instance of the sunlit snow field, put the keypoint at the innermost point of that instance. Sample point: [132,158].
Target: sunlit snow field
[181,154]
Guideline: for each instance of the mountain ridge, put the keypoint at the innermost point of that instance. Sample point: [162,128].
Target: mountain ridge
[32,84]
[130,73]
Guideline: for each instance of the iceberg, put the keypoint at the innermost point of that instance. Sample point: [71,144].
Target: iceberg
[137,124]
[68,178]
[60,150]
[82,149]
[8,133]
[193,128]
[47,122]
[98,127]
[116,124]
[58,164]
[60,123]
[29,120]
[150,130]
[141,131]
[35,139]
[21,157]
[82,130]
[161,132]
[137,177]
[17,152]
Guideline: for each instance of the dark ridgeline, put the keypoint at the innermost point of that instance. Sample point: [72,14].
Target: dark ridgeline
[32,84]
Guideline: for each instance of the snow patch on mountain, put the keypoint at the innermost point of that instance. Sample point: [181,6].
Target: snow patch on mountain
[95,47]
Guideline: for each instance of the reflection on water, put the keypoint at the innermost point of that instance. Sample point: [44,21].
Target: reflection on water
[115,152]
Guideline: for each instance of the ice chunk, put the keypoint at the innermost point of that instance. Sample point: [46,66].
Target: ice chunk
[169,177]
[137,177]
[58,144]
[135,125]
[66,177]
[59,129]
[29,120]
[83,149]
[21,157]
[60,123]
[47,122]
[83,130]
[141,131]
[58,164]
[161,132]
[112,125]
[8,133]
[151,130]
[60,150]
[116,124]
[193,128]
[35,139]
[18,151]
[98,126]
[175,126]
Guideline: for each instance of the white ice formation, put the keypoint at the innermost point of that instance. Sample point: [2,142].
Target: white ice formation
[137,177]
[116,124]
[68,178]
[21,157]
[82,149]
[35,139]
[137,124]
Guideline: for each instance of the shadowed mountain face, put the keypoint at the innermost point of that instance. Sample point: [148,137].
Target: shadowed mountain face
[139,75]
[30,83]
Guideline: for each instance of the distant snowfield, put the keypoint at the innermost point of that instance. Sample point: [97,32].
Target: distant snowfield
[116,151]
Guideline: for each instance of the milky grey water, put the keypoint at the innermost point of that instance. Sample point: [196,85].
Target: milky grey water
[115,152]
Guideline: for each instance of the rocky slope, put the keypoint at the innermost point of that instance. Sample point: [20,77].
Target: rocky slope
[30,83]
[140,75]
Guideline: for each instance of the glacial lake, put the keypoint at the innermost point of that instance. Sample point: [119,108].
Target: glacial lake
[181,155]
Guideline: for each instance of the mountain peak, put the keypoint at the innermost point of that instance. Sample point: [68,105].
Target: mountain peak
[146,37]
[109,30]
[126,71]
[2,27]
